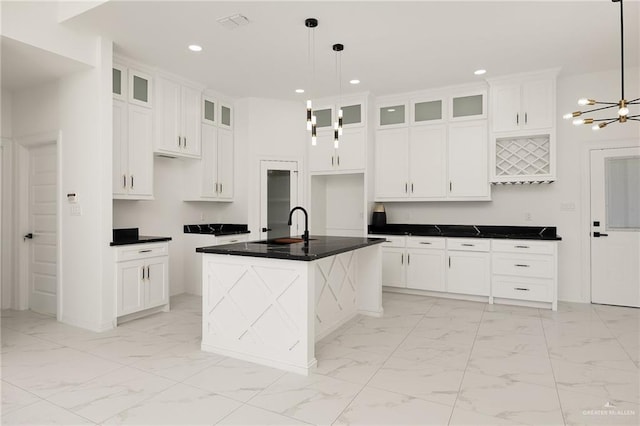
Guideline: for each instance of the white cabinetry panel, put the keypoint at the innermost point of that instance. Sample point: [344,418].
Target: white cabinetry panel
[468,159]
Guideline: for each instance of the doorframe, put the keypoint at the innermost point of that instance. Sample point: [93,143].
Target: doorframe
[21,214]
[301,183]
[585,204]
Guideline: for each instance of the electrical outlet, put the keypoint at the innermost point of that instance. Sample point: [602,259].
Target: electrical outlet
[76,210]
[201,216]
[527,217]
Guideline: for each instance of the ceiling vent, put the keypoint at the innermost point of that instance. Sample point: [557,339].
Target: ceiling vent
[233,21]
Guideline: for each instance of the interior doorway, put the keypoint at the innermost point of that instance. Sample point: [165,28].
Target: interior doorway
[615,226]
[278,195]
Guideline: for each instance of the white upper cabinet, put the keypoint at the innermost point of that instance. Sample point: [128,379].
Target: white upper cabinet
[468,160]
[178,119]
[441,154]
[523,127]
[523,104]
[351,153]
[226,116]
[139,88]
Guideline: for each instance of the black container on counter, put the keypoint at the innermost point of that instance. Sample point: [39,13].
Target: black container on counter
[379,217]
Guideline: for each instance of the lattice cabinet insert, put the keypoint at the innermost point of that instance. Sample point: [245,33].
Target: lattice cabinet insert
[523,158]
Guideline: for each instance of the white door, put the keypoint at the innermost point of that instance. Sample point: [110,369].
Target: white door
[278,195]
[537,95]
[615,226]
[468,273]
[393,267]
[505,109]
[322,154]
[425,269]
[42,236]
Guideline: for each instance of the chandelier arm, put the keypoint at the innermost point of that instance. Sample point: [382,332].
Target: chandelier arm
[634,102]
[633,119]
[598,109]
[605,103]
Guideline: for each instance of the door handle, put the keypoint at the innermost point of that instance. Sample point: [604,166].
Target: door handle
[29,236]
[266,229]
[597,234]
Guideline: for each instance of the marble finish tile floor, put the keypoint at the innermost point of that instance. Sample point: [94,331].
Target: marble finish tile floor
[428,361]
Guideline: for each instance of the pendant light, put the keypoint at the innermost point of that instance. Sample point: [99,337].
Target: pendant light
[622,105]
[337,127]
[311,24]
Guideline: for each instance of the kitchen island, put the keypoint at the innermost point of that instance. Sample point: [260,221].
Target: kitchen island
[270,301]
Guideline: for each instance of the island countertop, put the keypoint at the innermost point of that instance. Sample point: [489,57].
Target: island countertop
[319,246]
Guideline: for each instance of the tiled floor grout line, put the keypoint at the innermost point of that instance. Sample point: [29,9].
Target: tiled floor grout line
[464,372]
[553,372]
[615,337]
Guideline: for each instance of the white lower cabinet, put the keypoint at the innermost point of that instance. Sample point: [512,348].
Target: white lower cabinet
[142,277]
[525,271]
[513,271]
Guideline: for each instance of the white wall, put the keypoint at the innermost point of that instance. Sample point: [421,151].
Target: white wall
[5,111]
[543,202]
[6,216]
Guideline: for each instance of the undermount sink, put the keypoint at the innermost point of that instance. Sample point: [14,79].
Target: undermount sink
[284,241]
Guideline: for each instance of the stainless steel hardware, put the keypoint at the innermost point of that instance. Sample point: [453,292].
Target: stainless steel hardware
[185,142]
[215,186]
[521,246]
[450,186]
[179,141]
[521,289]
[521,265]
[332,161]
[338,160]
[131,181]
[468,245]
[233,241]
[144,251]
[408,258]
[406,186]
[143,272]
[525,118]
[124,181]
[402,259]
[412,187]
[424,242]
[148,273]
[221,187]
[449,261]
[600,234]
[517,118]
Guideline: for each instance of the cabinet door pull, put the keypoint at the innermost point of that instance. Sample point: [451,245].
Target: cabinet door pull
[412,187]
[185,142]
[221,187]
[517,118]
[148,273]
[338,157]
[522,265]
[332,161]
[215,187]
[406,187]
[402,259]
[522,246]
[521,289]
[233,241]
[424,242]
[525,118]
[131,181]
[144,251]
[449,261]
[468,245]
[143,272]
[179,141]
[124,181]
[450,186]
[408,258]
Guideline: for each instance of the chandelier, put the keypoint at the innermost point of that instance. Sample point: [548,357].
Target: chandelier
[311,23]
[337,127]
[622,104]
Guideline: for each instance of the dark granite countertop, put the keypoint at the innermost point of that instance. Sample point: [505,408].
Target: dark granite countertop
[140,240]
[470,231]
[319,246]
[217,229]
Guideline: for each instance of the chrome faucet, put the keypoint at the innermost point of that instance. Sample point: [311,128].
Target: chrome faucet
[305,236]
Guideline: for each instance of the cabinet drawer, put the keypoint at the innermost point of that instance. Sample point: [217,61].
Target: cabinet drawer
[426,242]
[141,251]
[523,265]
[468,244]
[523,246]
[231,239]
[533,289]
[392,240]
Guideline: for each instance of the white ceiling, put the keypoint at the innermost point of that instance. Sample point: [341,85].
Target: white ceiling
[390,46]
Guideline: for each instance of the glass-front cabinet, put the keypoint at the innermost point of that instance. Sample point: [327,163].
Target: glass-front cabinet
[226,116]
[209,114]
[119,80]
[468,106]
[140,88]
[427,111]
[392,115]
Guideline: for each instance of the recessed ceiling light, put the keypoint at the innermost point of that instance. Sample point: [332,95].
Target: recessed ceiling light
[479,72]
[354,81]
[299,90]
[195,48]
